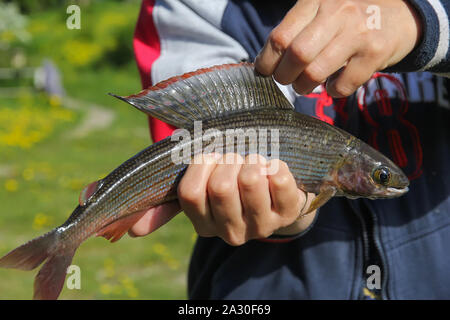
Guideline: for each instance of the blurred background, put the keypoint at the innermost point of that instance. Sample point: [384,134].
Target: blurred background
[59,131]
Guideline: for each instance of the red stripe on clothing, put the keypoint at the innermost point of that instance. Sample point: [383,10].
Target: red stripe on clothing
[147,49]
[396,148]
[281,240]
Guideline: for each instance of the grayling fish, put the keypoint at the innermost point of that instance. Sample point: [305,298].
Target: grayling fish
[324,160]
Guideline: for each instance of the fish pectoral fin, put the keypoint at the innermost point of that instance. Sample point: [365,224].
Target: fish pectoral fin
[320,199]
[156,217]
[88,191]
[115,230]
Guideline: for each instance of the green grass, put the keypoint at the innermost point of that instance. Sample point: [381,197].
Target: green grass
[39,185]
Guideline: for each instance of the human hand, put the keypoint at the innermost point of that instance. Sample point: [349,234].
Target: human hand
[333,41]
[237,201]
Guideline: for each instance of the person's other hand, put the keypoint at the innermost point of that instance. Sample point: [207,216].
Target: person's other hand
[338,40]
[237,200]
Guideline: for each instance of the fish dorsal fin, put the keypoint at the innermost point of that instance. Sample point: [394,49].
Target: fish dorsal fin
[208,93]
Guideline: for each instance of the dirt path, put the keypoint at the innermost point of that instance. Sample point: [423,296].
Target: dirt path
[97,118]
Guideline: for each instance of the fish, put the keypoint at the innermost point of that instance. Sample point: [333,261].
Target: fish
[323,159]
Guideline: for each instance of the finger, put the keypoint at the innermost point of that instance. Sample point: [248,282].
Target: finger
[224,200]
[154,218]
[306,203]
[330,60]
[351,77]
[306,46]
[255,198]
[192,193]
[303,221]
[299,16]
[286,200]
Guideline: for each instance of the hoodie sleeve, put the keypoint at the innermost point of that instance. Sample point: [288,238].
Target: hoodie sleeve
[432,54]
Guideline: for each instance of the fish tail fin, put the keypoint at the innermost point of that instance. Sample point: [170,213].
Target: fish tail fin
[50,279]
[31,254]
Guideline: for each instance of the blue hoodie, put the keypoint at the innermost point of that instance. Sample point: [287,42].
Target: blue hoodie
[355,249]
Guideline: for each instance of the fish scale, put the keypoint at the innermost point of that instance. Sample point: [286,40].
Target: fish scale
[323,159]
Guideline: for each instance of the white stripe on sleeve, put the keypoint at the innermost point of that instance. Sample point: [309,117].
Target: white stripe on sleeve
[442,48]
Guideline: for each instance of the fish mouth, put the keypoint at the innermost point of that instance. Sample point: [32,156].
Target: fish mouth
[396,192]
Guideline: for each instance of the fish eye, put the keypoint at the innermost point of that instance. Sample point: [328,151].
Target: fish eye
[381,175]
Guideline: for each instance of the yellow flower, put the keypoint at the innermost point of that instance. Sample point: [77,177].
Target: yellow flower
[28,174]
[41,220]
[162,251]
[108,266]
[11,185]
[133,292]
[159,248]
[81,53]
[105,289]
[32,121]
[59,113]
[130,289]
[116,289]
[55,101]
[172,263]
